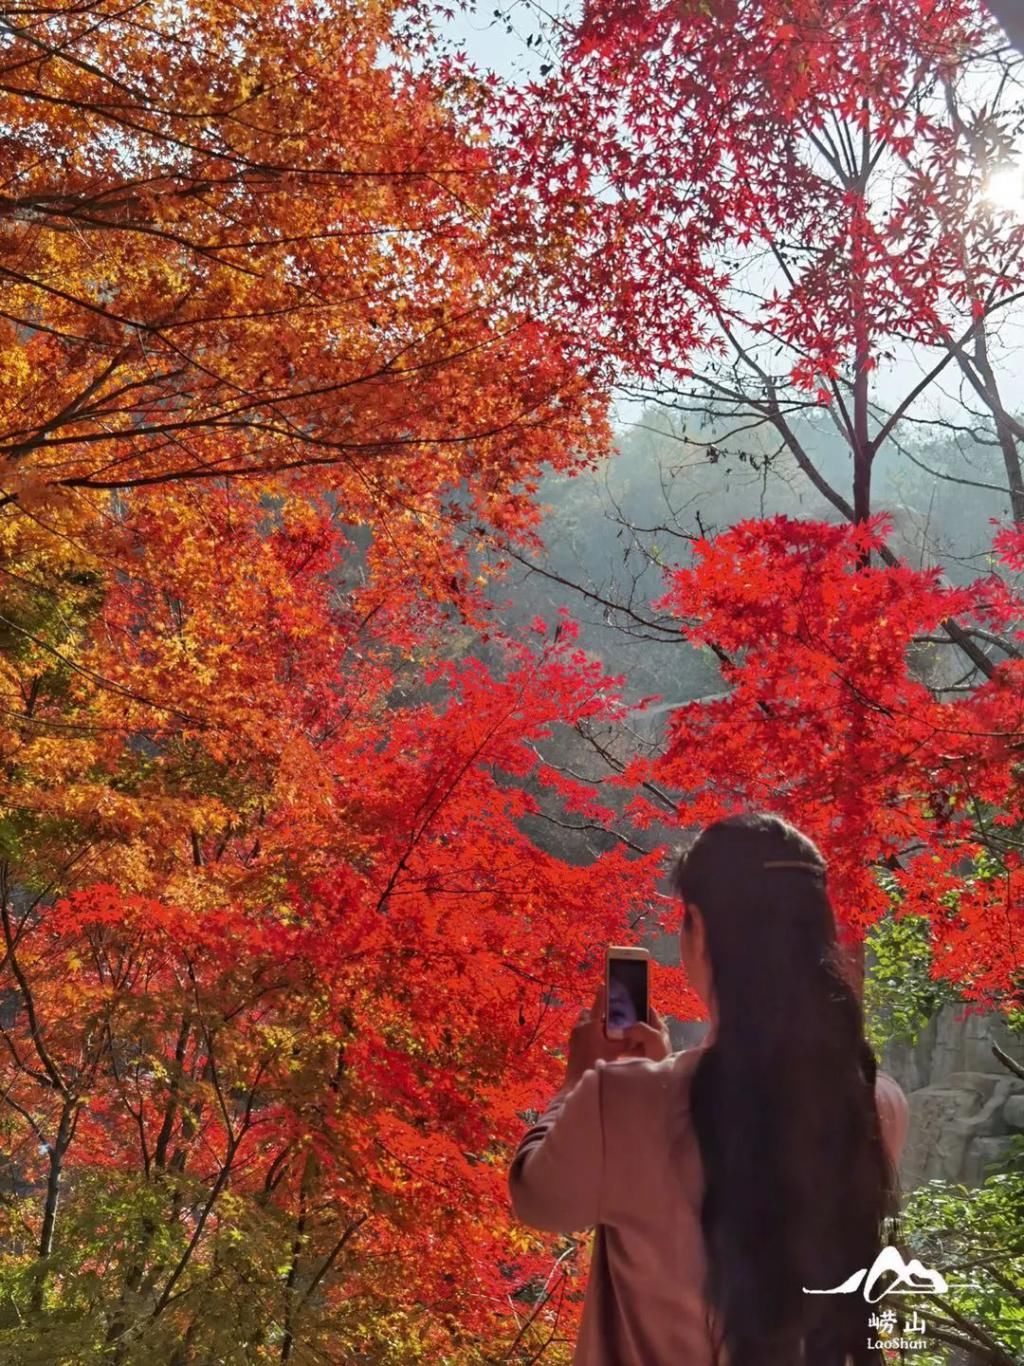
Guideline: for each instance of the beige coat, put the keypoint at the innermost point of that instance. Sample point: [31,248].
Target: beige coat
[601,1155]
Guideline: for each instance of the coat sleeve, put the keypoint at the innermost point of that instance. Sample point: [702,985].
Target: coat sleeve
[556,1174]
[893,1114]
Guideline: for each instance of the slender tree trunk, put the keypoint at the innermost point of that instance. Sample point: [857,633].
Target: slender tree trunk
[1008,443]
[58,1150]
[863,450]
[862,445]
[288,1341]
[133,1281]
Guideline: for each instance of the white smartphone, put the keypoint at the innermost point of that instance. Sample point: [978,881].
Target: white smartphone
[626,989]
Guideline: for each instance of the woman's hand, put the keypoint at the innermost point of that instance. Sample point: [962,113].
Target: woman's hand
[587,1042]
[649,1040]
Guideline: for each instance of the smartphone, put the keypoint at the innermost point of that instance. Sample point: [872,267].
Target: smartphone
[626,989]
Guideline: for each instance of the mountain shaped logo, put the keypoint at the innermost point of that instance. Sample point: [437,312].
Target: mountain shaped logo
[911,1278]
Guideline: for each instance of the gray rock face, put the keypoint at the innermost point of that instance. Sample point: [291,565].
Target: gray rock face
[945,1046]
[964,1105]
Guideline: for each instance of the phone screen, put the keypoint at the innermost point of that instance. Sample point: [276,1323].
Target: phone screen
[627,992]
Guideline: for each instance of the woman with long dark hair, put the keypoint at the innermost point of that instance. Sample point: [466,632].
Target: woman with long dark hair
[729,1180]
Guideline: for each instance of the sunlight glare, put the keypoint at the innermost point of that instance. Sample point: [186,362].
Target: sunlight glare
[1005,188]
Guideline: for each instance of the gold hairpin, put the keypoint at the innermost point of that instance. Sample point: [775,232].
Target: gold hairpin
[793,863]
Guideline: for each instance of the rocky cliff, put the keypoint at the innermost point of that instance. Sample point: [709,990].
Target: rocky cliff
[964,1104]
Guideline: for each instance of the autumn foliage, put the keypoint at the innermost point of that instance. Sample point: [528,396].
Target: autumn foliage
[915,800]
[830,139]
[278,961]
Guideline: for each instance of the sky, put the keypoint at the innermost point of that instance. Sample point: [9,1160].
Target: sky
[488,42]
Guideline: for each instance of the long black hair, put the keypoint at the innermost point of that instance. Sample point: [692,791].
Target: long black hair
[797,1183]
